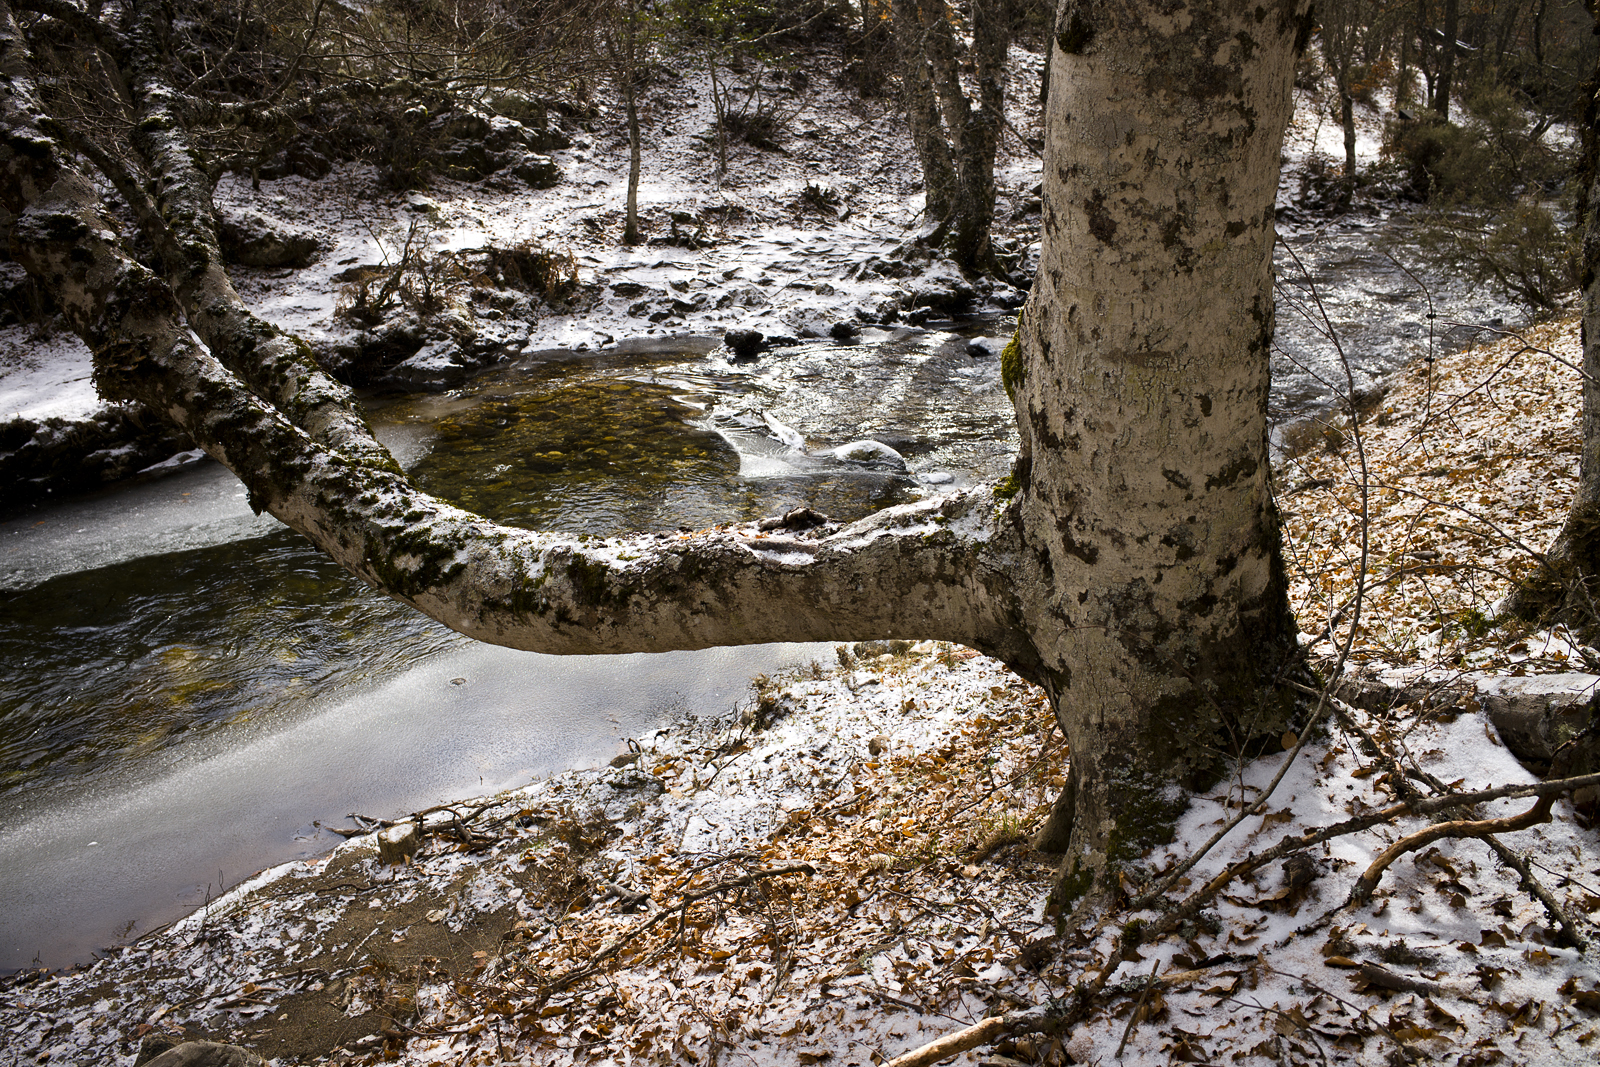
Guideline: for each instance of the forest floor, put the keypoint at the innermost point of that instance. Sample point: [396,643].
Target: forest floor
[838,872]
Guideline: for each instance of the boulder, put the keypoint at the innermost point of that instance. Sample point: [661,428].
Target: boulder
[943,288]
[540,172]
[205,1054]
[533,113]
[844,331]
[743,343]
[255,239]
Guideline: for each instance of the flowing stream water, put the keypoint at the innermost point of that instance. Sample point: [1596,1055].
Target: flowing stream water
[190,692]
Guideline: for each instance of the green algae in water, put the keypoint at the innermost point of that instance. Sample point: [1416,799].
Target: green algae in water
[610,454]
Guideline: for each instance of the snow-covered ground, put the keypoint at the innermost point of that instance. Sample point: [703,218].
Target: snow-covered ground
[766,257]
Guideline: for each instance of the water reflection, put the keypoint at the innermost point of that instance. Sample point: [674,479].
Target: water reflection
[120,662]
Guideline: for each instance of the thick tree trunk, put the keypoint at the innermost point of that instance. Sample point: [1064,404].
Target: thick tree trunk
[1565,587]
[276,366]
[1158,600]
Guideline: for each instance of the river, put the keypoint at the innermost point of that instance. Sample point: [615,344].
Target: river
[191,693]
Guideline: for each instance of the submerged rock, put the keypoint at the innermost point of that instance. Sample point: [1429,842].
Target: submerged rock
[870,453]
[985,347]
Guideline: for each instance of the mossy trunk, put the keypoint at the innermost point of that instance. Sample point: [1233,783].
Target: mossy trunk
[1159,606]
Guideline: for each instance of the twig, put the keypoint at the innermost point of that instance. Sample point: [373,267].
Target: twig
[1384,978]
[1192,904]
[577,974]
[1144,994]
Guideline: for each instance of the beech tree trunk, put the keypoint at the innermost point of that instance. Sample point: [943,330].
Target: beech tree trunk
[1130,566]
[1565,587]
[1157,599]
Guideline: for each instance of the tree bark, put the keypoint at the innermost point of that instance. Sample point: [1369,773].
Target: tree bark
[1444,83]
[955,142]
[922,110]
[630,96]
[1158,601]
[1565,587]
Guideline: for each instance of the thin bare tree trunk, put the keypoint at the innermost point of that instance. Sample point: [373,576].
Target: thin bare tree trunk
[922,111]
[1444,83]
[630,228]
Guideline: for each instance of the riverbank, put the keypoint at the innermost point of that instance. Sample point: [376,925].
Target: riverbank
[838,872]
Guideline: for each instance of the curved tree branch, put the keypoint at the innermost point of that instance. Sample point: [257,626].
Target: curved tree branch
[277,366]
[940,568]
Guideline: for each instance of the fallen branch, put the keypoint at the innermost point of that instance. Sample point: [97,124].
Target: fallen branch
[1032,1021]
[1192,904]
[1384,978]
[1361,892]
[1505,854]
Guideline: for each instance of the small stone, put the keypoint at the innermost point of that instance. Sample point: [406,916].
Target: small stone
[878,745]
[1299,870]
[844,331]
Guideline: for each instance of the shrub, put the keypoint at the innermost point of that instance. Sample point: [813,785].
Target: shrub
[531,268]
[1522,252]
[1497,156]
